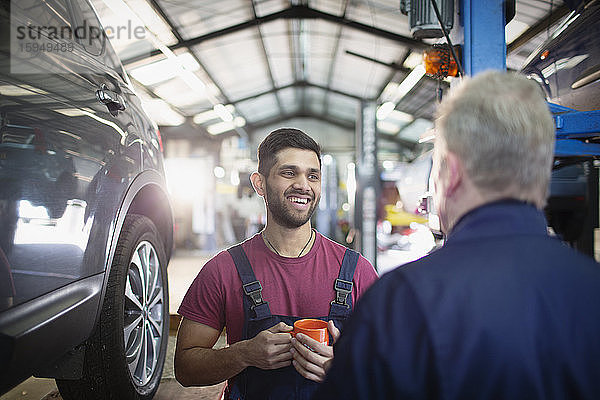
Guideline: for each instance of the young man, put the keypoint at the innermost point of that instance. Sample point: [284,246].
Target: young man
[502,310]
[259,288]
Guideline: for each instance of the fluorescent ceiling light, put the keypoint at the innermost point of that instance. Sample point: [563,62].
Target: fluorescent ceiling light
[163,70]
[156,72]
[220,127]
[384,110]
[211,114]
[191,79]
[223,113]
[177,93]
[162,113]
[239,121]
[389,91]
[401,116]
[152,20]
[205,116]
[387,127]
[409,82]
[188,61]
[144,15]
[513,30]
[414,59]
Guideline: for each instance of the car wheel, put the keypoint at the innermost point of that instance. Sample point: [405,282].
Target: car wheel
[124,358]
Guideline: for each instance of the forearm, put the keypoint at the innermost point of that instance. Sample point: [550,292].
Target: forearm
[199,366]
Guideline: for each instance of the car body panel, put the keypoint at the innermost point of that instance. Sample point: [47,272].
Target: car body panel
[42,329]
[70,172]
[567,66]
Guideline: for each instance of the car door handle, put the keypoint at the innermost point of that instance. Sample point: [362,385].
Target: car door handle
[112,100]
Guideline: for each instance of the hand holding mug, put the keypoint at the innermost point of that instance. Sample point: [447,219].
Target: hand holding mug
[313,357]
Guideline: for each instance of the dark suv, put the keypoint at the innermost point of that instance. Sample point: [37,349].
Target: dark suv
[85,221]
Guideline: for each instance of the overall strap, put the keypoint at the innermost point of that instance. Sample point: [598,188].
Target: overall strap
[341,307]
[252,288]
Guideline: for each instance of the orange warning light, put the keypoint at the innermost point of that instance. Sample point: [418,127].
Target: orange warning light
[439,62]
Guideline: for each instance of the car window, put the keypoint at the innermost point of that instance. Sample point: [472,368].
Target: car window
[45,14]
[92,36]
[100,44]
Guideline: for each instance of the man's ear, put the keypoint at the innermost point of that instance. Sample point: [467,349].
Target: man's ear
[258,182]
[455,172]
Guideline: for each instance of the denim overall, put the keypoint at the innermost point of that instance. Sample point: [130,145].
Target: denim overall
[283,383]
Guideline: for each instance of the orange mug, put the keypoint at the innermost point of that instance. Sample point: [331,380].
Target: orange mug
[313,328]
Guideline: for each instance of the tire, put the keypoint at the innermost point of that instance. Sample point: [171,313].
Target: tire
[119,364]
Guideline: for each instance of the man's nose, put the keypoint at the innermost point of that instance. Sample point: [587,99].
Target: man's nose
[301,183]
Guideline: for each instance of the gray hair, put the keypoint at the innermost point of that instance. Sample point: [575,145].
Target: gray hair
[499,125]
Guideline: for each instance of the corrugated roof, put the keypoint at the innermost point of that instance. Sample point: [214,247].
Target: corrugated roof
[274,60]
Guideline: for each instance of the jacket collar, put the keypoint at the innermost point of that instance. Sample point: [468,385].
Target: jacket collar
[500,218]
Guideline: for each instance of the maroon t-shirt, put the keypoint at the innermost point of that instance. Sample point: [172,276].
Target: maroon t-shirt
[298,287]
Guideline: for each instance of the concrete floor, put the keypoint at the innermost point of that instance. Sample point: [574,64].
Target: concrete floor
[169,389]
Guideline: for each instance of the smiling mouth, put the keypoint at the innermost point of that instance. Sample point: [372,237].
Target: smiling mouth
[298,200]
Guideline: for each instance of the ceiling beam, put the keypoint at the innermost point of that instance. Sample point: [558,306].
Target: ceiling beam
[330,90]
[305,12]
[344,124]
[293,12]
[265,92]
[266,57]
[297,57]
[392,74]
[159,10]
[540,26]
[297,84]
[392,65]
[334,57]
[349,125]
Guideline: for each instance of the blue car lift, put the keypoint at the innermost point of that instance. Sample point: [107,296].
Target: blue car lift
[575,130]
[484,47]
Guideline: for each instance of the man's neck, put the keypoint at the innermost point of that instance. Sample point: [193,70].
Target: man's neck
[466,198]
[473,198]
[289,242]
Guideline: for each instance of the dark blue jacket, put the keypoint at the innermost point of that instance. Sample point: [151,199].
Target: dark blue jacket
[501,311]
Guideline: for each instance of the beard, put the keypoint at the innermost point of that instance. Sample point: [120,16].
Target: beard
[284,214]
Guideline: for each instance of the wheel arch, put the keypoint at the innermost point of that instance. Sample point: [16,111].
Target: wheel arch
[147,196]
[152,202]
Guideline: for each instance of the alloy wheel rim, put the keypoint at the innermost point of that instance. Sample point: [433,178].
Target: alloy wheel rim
[143,316]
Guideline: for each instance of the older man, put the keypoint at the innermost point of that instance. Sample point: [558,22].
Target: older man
[502,310]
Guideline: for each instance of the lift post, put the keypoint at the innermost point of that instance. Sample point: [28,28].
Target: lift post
[484,41]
